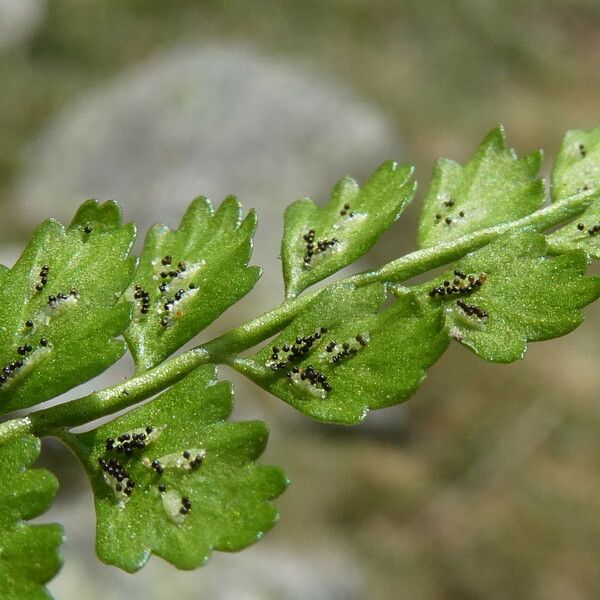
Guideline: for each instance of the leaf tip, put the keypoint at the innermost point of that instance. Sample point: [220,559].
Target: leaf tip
[496,138]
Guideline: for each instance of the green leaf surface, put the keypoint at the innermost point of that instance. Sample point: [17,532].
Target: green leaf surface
[29,555]
[70,340]
[230,494]
[345,228]
[398,343]
[581,234]
[577,171]
[493,187]
[205,268]
[577,166]
[527,296]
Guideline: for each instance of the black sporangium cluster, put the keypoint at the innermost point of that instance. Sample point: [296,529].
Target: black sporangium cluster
[346,211]
[593,230]
[61,296]
[114,468]
[127,443]
[311,375]
[347,349]
[167,261]
[298,350]
[41,284]
[314,247]
[449,204]
[156,465]
[25,349]
[283,357]
[169,303]
[471,309]
[9,370]
[143,295]
[193,463]
[186,505]
[13,367]
[461,284]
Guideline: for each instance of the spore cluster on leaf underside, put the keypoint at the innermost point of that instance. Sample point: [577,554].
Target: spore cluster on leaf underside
[34,347]
[317,249]
[447,205]
[328,355]
[126,452]
[592,229]
[462,285]
[175,287]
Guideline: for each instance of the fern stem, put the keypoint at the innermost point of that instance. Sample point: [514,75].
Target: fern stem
[222,349]
[112,399]
[249,334]
[426,259]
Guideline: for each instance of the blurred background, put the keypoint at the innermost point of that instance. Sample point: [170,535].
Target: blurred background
[484,485]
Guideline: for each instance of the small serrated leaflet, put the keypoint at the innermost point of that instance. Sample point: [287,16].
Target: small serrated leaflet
[345,355]
[187,277]
[510,293]
[577,172]
[59,311]
[29,555]
[493,187]
[175,479]
[577,166]
[581,234]
[318,241]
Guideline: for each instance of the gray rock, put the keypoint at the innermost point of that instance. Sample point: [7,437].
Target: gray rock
[18,20]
